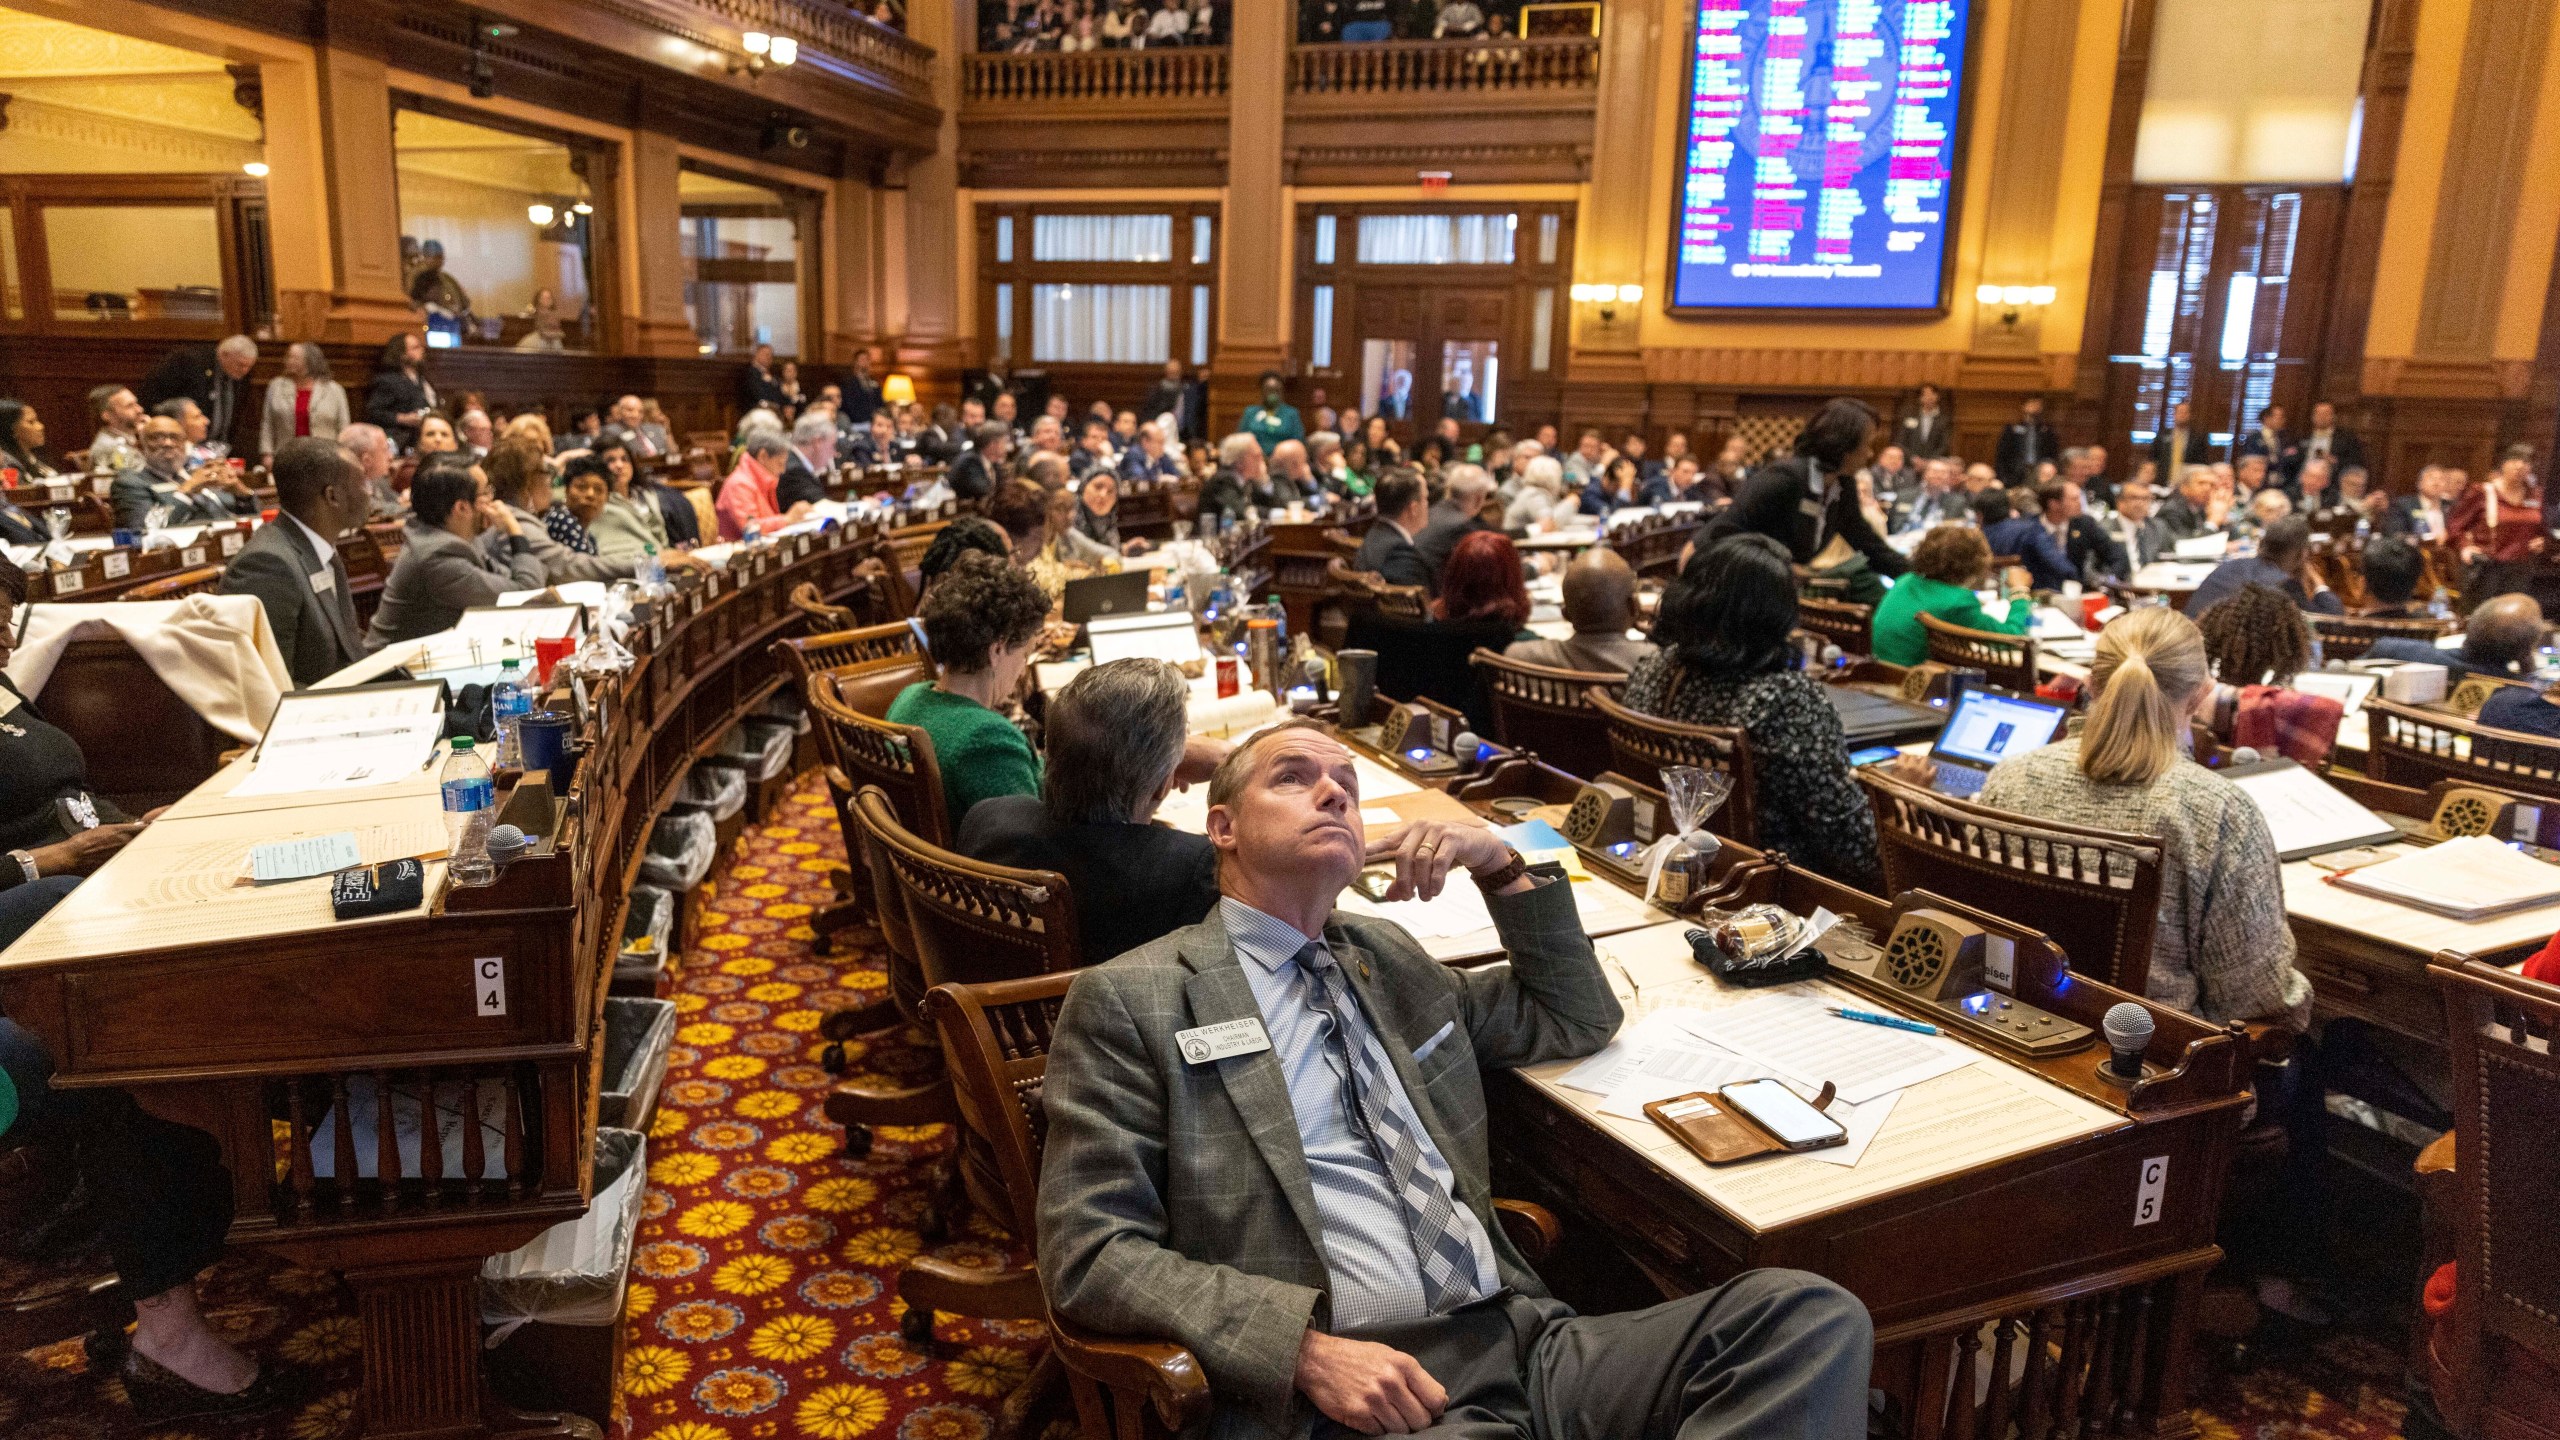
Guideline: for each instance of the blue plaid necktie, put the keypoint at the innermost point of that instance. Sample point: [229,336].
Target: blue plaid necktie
[1448,1264]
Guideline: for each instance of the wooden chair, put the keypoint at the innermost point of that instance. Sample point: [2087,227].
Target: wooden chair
[2096,893]
[835,649]
[823,618]
[972,923]
[2007,662]
[864,688]
[53,1302]
[1547,711]
[203,580]
[1642,745]
[1851,627]
[2493,1360]
[2417,747]
[2348,637]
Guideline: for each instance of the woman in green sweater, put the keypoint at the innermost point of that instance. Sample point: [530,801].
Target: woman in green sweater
[982,621]
[1950,561]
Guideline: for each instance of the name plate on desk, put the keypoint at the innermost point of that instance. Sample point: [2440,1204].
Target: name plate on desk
[115,564]
[69,582]
[58,493]
[232,542]
[193,555]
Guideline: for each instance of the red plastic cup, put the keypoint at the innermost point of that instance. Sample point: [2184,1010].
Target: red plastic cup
[548,653]
[2090,605]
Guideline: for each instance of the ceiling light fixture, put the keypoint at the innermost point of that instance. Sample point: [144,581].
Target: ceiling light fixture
[255,169]
[540,213]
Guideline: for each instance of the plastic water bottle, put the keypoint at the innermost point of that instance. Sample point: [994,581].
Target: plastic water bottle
[510,700]
[2441,606]
[470,803]
[652,573]
[2364,529]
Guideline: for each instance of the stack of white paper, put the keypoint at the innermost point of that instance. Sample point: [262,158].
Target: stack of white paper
[2468,879]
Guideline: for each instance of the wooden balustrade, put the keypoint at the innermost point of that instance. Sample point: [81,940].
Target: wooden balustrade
[1446,67]
[1137,76]
[901,64]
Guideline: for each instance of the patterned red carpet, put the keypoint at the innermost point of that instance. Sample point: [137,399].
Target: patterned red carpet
[762,1304]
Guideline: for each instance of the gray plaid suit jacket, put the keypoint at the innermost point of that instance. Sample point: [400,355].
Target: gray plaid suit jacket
[1175,1202]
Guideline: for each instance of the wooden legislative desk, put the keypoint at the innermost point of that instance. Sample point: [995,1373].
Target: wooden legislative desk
[1992,1229]
[251,1014]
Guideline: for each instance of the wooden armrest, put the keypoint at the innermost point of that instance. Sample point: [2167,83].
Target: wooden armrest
[2269,1041]
[1165,1374]
[853,1103]
[2437,1158]
[1531,1226]
[1012,1293]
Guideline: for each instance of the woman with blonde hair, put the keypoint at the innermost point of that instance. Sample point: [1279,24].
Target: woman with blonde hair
[2224,950]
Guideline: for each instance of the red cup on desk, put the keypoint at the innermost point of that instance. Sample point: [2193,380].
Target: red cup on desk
[548,653]
[2090,605]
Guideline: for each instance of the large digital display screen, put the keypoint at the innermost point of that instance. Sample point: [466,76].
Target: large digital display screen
[1818,159]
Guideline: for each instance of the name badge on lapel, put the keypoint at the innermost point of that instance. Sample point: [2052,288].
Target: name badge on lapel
[324,582]
[1206,1043]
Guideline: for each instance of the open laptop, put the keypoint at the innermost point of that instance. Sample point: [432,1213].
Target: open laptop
[1987,728]
[1121,594]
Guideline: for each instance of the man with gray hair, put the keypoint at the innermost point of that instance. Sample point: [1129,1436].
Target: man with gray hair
[1242,474]
[1118,744]
[372,451]
[1459,514]
[216,377]
[813,459]
[1293,480]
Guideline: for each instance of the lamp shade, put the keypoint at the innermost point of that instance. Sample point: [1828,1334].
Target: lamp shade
[898,390]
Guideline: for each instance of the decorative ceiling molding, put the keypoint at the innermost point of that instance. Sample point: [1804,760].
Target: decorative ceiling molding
[31,120]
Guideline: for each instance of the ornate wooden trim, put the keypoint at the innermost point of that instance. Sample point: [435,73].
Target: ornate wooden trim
[1851,369]
[2421,378]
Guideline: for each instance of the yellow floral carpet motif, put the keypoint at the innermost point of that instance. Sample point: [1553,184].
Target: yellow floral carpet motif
[762,1303]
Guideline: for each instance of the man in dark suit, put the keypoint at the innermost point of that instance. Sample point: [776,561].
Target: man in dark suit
[293,566]
[1804,501]
[216,377]
[861,390]
[1234,1196]
[1396,401]
[2392,569]
[1387,551]
[1459,514]
[2026,442]
[1117,744]
[980,469]
[161,481]
[761,385]
[2141,535]
[2499,638]
[2181,444]
[1927,431]
[2278,565]
[2427,514]
[1228,494]
[1180,398]
[811,462]
[2326,438]
[2269,441]
[1939,499]
[2028,537]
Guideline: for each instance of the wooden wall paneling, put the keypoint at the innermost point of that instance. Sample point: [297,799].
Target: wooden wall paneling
[2542,403]
[2109,261]
[2391,49]
[2475,213]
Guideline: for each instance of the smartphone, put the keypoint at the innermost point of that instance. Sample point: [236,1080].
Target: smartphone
[1873,755]
[1375,881]
[1783,1113]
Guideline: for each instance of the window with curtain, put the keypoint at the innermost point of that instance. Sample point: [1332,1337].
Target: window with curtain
[1101,324]
[1128,239]
[1437,239]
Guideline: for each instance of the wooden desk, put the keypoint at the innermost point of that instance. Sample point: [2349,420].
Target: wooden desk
[1994,1220]
[253,1016]
[2366,958]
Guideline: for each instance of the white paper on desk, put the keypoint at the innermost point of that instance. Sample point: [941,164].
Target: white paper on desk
[590,593]
[311,855]
[520,624]
[2204,547]
[1457,910]
[1653,1045]
[346,739]
[2306,814]
[1797,1037]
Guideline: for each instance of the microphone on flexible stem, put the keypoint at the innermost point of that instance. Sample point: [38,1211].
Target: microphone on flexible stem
[1464,746]
[2128,1029]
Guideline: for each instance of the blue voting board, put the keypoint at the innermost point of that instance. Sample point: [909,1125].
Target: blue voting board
[1818,155]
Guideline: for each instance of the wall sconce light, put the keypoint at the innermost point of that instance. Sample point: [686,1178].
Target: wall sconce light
[541,214]
[1608,298]
[2015,297]
[898,390]
[765,50]
[255,169]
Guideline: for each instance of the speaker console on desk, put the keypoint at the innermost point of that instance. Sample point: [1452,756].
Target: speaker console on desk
[1418,739]
[1958,974]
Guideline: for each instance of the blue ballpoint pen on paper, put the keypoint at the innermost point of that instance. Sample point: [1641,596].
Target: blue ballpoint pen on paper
[1891,1022]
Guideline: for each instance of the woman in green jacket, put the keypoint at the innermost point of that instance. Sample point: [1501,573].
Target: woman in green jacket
[982,620]
[1950,561]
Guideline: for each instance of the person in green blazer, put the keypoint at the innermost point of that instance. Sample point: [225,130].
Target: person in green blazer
[982,621]
[1946,567]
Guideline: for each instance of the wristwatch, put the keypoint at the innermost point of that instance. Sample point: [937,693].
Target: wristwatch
[23,871]
[1504,876]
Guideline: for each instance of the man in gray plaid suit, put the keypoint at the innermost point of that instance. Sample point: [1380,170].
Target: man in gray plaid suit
[1267,1144]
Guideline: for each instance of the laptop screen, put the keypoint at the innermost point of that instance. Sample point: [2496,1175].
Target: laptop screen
[1987,728]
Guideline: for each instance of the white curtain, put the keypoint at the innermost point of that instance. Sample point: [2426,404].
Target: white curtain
[1133,238]
[1436,239]
[1101,324]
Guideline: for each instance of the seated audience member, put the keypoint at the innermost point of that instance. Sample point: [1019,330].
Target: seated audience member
[1145,458]
[2141,535]
[1064,546]
[2499,639]
[2093,553]
[1949,564]
[1459,514]
[1617,485]
[676,515]
[22,442]
[476,435]
[1380,437]
[968,535]
[2497,529]
[2523,708]
[1542,498]
[1093,454]
[629,525]
[198,428]
[293,567]
[162,481]
[1118,743]
[982,467]
[53,828]
[1725,659]
[118,443]
[1290,478]
[2267,508]
[2024,535]
[1229,495]
[982,620]
[436,435]
[1097,514]
[372,451]
[581,503]
[443,568]
[880,445]
[1020,508]
[2392,569]
[2224,950]
[811,461]
[1406,1303]
[749,498]
[1939,499]
[2426,514]
[2255,642]
[1600,604]
[2198,509]
[520,480]
[1809,501]
[627,420]
[1387,551]
[586,424]
[2280,564]
[1481,585]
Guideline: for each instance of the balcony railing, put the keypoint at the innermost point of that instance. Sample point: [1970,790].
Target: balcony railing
[906,65]
[1447,67]
[1136,76]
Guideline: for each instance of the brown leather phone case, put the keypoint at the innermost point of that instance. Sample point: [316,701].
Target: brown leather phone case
[1716,1132]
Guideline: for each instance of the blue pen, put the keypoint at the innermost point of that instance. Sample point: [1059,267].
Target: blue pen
[1890,1022]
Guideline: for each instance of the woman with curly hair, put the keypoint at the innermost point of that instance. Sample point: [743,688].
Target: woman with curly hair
[1947,566]
[2256,637]
[982,620]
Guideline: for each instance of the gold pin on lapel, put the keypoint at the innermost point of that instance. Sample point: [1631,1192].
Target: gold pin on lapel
[1364,969]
